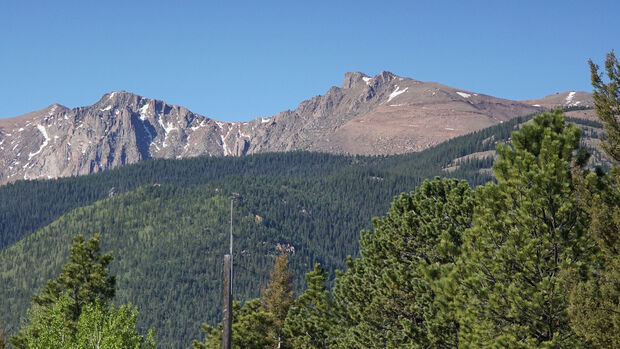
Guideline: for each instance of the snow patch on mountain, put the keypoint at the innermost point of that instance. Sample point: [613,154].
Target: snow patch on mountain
[224,147]
[463,94]
[143,111]
[168,127]
[45,141]
[397,92]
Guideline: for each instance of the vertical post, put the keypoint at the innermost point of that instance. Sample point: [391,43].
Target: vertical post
[227,304]
[231,247]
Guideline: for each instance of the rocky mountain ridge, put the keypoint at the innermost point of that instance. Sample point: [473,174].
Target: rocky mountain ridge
[384,114]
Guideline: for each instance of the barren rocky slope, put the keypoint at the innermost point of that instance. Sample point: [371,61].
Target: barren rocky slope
[384,114]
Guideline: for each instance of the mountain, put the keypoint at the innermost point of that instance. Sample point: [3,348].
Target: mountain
[384,114]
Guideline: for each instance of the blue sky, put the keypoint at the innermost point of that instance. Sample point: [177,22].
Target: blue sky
[237,60]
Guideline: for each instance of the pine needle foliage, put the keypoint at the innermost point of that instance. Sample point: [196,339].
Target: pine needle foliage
[386,298]
[594,307]
[606,96]
[311,321]
[527,229]
[279,295]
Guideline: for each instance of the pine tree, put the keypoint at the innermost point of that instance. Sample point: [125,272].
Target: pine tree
[387,297]
[528,228]
[73,311]
[595,297]
[607,102]
[312,319]
[250,330]
[279,295]
[85,278]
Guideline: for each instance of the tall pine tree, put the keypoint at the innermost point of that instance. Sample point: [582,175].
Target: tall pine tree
[387,297]
[311,321]
[85,278]
[528,228]
[278,296]
[73,310]
[595,297]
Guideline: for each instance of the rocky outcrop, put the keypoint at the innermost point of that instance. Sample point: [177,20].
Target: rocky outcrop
[384,114]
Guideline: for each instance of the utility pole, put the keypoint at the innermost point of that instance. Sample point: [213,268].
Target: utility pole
[227,305]
[228,295]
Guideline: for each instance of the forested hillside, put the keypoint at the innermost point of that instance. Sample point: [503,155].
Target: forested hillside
[167,220]
[26,206]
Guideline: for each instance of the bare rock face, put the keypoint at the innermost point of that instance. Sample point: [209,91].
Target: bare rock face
[384,114]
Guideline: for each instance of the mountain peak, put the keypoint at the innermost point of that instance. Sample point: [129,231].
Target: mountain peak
[120,98]
[118,94]
[55,107]
[352,78]
[385,76]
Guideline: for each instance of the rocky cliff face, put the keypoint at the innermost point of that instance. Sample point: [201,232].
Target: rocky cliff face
[384,114]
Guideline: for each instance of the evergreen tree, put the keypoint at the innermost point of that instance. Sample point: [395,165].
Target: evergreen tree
[595,297]
[84,280]
[73,309]
[279,295]
[607,102]
[527,229]
[312,319]
[250,330]
[386,297]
